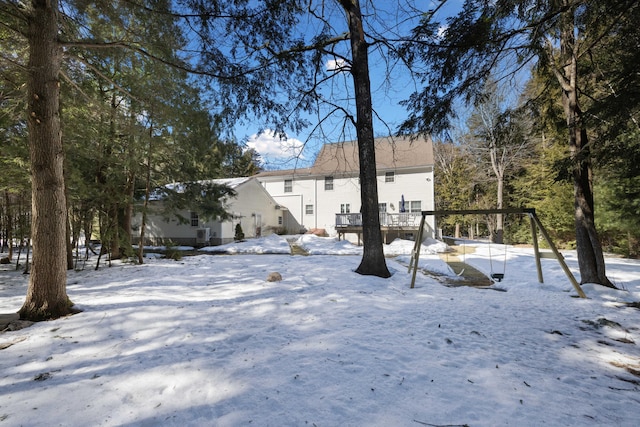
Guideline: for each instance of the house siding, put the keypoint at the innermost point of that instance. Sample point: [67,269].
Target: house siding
[413,178]
[253,208]
[413,185]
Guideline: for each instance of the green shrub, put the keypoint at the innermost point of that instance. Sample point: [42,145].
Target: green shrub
[239,233]
[172,251]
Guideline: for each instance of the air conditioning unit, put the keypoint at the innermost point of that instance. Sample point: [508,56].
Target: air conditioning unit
[203,235]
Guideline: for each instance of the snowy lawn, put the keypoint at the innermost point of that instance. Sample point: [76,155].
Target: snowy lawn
[207,341]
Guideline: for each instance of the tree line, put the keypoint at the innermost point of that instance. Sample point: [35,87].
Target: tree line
[104,125]
[508,155]
[117,98]
[583,54]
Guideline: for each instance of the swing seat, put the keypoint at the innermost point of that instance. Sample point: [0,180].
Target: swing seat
[497,276]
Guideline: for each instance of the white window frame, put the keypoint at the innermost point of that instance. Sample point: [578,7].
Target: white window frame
[389,177]
[328,183]
[308,209]
[288,186]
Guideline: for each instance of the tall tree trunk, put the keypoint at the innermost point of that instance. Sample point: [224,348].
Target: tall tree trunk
[46,295]
[126,216]
[147,196]
[113,203]
[590,255]
[373,261]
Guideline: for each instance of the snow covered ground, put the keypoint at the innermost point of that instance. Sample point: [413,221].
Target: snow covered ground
[207,341]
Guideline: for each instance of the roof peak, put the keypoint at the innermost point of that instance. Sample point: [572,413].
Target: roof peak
[341,157]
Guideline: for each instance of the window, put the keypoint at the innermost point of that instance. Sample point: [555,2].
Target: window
[288,185]
[279,220]
[308,209]
[382,207]
[415,206]
[194,219]
[389,177]
[345,208]
[328,183]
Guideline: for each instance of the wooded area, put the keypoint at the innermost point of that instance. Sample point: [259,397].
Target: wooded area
[101,102]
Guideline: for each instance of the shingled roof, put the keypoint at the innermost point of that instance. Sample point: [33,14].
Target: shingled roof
[342,157]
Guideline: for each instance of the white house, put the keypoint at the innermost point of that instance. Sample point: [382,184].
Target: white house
[253,208]
[327,195]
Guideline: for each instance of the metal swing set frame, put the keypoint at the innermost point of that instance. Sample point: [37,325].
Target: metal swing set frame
[535,226]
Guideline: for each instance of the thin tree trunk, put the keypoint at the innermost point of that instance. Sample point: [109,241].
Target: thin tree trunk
[373,261]
[126,217]
[27,266]
[130,177]
[19,254]
[500,217]
[9,224]
[114,230]
[147,195]
[69,239]
[46,295]
[113,204]
[498,170]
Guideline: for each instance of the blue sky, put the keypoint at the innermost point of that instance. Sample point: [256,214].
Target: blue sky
[390,84]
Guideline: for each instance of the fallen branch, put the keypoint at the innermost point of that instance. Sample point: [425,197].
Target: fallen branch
[440,425]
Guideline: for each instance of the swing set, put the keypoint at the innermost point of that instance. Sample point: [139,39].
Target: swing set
[535,226]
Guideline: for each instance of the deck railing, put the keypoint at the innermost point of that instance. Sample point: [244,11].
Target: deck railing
[348,220]
[393,220]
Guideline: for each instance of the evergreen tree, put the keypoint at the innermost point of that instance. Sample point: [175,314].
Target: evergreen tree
[14,154]
[545,183]
[112,57]
[239,236]
[46,294]
[560,36]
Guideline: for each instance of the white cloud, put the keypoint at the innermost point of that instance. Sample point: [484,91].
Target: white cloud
[442,31]
[269,145]
[337,65]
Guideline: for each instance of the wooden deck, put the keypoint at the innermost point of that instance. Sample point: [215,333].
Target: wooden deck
[391,225]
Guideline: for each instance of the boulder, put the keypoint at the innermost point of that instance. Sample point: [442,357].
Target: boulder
[274,276]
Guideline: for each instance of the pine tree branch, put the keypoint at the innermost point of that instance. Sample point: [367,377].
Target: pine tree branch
[109,80]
